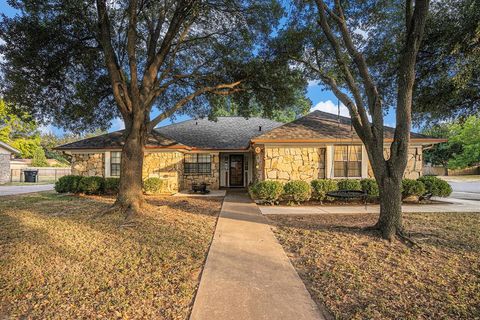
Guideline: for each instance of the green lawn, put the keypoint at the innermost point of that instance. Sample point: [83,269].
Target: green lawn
[356,275]
[56,262]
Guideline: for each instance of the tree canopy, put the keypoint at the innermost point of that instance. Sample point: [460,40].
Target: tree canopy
[54,59]
[448,84]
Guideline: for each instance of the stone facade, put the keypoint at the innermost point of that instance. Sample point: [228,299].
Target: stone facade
[212,179]
[88,164]
[4,168]
[290,163]
[167,166]
[414,164]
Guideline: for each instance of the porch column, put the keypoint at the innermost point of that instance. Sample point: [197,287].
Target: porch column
[329,156]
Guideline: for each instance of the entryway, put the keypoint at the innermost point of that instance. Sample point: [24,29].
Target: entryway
[236,170]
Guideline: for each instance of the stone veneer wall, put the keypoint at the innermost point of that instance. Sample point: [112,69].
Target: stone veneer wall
[167,166]
[88,164]
[414,165]
[213,179]
[4,167]
[286,163]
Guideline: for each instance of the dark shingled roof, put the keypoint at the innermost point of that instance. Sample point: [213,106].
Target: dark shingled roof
[114,140]
[322,125]
[225,133]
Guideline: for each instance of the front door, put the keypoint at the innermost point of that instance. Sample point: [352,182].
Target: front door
[236,170]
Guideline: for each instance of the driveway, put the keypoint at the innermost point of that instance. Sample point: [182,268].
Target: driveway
[464,187]
[12,190]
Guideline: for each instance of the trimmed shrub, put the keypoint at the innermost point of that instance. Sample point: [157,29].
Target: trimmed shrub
[436,186]
[67,184]
[91,185]
[111,185]
[370,186]
[268,191]
[412,187]
[297,190]
[349,184]
[152,185]
[320,187]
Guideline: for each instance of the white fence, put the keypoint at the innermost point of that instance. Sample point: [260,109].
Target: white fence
[45,174]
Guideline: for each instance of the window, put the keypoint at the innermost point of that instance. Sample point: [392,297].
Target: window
[115,164]
[197,163]
[348,161]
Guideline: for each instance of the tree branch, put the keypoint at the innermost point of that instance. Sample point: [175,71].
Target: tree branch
[220,89]
[345,70]
[119,85]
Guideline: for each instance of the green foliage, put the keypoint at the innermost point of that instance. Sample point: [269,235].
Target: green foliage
[20,131]
[297,190]
[448,71]
[436,186]
[268,191]
[412,187]
[67,184]
[370,186]
[349,184]
[320,187]
[111,185]
[39,159]
[153,185]
[91,185]
[467,134]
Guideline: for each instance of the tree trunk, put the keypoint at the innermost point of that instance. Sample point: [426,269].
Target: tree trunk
[390,220]
[130,195]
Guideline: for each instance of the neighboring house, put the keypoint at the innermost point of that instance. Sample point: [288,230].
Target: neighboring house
[6,152]
[234,151]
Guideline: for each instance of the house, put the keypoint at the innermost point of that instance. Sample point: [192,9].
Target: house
[6,152]
[234,151]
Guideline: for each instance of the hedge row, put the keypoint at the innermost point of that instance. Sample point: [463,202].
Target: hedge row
[100,185]
[299,191]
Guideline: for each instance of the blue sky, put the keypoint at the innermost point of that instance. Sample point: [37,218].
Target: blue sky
[321,99]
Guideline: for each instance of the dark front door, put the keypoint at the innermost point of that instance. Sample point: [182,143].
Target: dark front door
[236,170]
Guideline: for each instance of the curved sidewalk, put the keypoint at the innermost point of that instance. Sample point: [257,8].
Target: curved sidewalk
[247,274]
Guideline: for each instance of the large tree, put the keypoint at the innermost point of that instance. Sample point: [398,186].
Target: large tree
[80,63]
[333,41]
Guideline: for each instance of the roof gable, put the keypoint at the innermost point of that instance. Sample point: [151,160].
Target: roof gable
[319,125]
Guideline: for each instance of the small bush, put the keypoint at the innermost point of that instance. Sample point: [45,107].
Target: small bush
[349,184]
[297,190]
[39,159]
[320,187]
[412,187]
[268,191]
[67,184]
[91,185]
[152,185]
[436,186]
[370,186]
[111,185]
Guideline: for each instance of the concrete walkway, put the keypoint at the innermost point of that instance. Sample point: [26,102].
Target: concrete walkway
[12,190]
[247,274]
[450,205]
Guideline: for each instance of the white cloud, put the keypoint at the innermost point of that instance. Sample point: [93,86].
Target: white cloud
[331,107]
[117,124]
[312,83]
